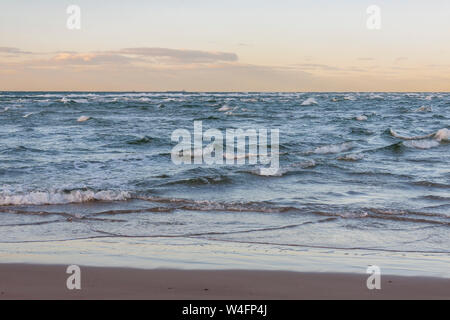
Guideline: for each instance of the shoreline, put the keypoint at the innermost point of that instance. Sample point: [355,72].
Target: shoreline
[33,281]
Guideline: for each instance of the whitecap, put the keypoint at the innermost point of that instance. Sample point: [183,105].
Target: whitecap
[309,102]
[352,157]
[361,118]
[83,119]
[334,148]
[224,108]
[305,164]
[350,97]
[78,196]
[421,144]
[442,134]
[269,172]
[424,109]
[439,135]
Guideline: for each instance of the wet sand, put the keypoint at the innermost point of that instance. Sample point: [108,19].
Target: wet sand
[25,281]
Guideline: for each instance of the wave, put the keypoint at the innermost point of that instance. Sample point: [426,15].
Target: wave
[424,109]
[172,204]
[198,181]
[275,172]
[421,144]
[224,108]
[334,148]
[83,119]
[434,197]
[352,157]
[431,184]
[440,135]
[140,141]
[309,102]
[350,97]
[61,197]
[361,118]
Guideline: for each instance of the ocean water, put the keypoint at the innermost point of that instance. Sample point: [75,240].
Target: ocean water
[358,171]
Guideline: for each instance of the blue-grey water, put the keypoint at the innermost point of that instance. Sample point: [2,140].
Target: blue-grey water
[346,180]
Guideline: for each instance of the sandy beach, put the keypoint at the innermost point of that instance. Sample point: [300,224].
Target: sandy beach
[26,281]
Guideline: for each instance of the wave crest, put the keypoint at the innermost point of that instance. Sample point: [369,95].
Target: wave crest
[60,197]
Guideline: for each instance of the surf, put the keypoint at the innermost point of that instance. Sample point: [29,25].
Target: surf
[440,135]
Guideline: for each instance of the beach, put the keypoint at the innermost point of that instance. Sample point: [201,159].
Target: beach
[28,281]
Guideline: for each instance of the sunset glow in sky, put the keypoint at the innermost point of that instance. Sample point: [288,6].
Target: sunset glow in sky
[208,45]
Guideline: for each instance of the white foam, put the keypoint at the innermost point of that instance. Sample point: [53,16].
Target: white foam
[442,135]
[421,144]
[373,96]
[270,172]
[352,157]
[305,164]
[28,114]
[395,134]
[83,119]
[309,102]
[350,97]
[424,109]
[224,108]
[361,118]
[333,148]
[41,198]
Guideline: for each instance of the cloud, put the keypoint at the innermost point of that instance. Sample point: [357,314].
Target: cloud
[181,55]
[12,51]
[316,66]
[143,55]
[400,59]
[146,57]
[89,59]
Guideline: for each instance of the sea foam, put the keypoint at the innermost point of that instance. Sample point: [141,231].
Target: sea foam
[440,135]
[55,197]
[309,102]
[334,148]
[83,119]
[421,144]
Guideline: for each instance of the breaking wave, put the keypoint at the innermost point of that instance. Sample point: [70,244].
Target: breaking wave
[421,144]
[61,197]
[334,148]
[309,102]
[440,135]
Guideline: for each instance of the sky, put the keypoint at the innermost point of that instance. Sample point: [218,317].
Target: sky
[211,45]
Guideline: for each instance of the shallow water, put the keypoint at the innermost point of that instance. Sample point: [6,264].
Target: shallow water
[93,165]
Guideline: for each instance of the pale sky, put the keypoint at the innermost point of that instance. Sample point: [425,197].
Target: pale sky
[211,45]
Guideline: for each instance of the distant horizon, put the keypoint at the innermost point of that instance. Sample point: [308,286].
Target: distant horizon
[186,91]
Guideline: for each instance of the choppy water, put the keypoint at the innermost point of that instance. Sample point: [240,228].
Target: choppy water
[356,169]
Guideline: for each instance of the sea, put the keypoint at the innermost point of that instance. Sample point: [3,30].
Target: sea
[363,179]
